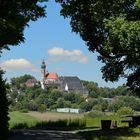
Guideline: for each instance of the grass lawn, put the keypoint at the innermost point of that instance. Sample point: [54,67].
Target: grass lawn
[18,117]
[96,122]
[33,117]
[44,120]
[54,116]
[120,133]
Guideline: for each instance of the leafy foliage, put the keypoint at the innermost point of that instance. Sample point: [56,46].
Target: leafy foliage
[112,29]
[95,91]
[125,111]
[99,98]
[18,81]
[3,109]
[125,101]
[14,17]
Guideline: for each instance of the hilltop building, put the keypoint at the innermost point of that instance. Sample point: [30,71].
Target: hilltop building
[63,83]
[31,83]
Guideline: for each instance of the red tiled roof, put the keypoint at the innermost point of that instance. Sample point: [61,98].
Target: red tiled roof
[52,75]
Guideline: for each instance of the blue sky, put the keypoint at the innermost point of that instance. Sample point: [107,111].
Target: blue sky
[64,52]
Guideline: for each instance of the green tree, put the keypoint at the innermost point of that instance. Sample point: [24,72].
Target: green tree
[14,17]
[60,103]
[125,111]
[19,82]
[42,108]
[112,29]
[132,102]
[121,90]
[103,103]
[86,106]
[73,98]
[55,94]
[3,109]
[33,106]
[116,105]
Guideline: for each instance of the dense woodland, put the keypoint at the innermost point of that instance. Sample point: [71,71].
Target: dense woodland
[99,98]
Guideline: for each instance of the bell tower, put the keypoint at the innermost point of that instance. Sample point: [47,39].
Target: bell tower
[43,70]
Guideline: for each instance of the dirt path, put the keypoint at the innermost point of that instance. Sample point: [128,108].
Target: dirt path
[26,134]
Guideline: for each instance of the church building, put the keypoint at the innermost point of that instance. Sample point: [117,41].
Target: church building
[63,83]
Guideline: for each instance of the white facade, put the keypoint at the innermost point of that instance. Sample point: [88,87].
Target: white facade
[66,110]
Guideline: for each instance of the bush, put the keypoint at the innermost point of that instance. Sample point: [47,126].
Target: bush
[24,111]
[42,108]
[97,107]
[95,113]
[20,125]
[125,111]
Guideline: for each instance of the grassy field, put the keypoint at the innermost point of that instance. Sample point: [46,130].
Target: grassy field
[33,117]
[96,122]
[54,116]
[44,120]
[18,117]
[120,133]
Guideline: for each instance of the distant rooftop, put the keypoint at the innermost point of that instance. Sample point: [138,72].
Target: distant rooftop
[52,75]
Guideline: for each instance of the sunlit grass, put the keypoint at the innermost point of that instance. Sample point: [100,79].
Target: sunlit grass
[46,120]
[21,118]
[96,122]
[32,118]
[49,119]
[54,116]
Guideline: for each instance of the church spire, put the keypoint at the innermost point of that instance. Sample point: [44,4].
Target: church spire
[43,65]
[43,70]
[66,87]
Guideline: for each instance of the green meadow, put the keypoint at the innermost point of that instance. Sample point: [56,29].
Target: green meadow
[32,118]
[21,118]
[46,120]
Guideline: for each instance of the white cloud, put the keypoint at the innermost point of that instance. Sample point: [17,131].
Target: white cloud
[17,64]
[59,54]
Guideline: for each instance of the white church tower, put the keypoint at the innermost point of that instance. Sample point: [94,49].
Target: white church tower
[66,88]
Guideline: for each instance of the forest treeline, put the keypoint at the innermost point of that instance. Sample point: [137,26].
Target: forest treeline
[34,98]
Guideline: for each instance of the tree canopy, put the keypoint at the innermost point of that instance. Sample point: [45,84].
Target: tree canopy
[17,81]
[112,29]
[3,109]
[14,17]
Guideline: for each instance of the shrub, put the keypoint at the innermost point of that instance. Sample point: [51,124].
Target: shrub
[20,125]
[24,111]
[125,111]
[97,107]
[42,108]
